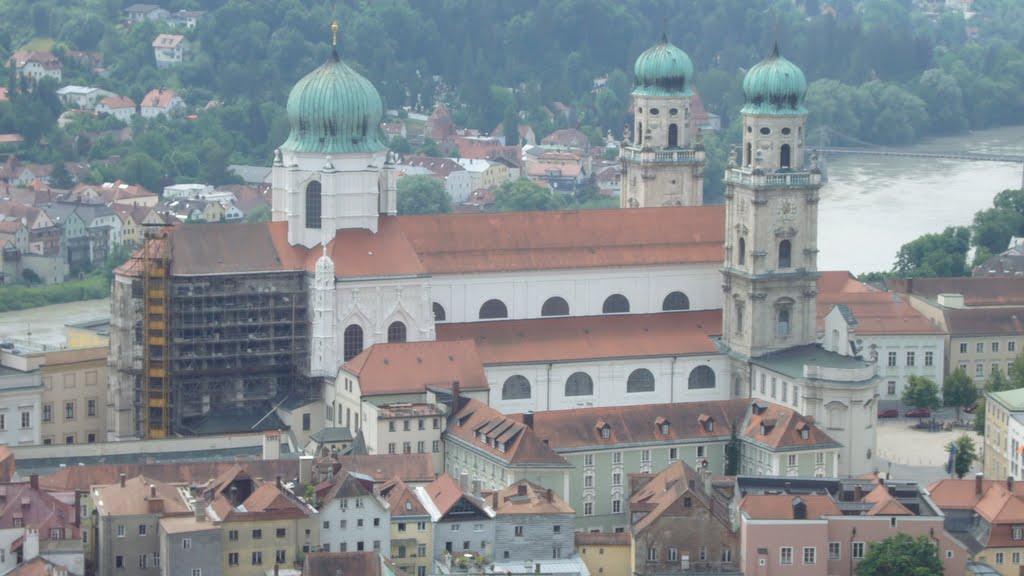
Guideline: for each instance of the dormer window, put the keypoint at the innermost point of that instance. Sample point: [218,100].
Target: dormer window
[707,423]
[1018,533]
[606,433]
[664,428]
[662,424]
[804,434]
[604,429]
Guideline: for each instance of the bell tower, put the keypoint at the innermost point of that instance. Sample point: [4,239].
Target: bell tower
[770,271]
[660,166]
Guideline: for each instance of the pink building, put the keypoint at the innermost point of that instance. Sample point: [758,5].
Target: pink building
[811,527]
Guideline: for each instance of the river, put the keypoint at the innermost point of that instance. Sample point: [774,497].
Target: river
[44,326]
[872,205]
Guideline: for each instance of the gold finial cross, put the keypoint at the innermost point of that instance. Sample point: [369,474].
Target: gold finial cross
[334,33]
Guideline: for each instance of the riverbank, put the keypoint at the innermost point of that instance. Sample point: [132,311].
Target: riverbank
[44,326]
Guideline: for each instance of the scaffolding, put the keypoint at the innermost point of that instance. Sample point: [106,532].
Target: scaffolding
[156,381]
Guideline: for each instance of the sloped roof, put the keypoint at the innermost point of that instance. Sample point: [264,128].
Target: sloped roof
[168,40]
[37,566]
[159,98]
[536,500]
[977,291]
[133,498]
[117,102]
[84,477]
[660,494]
[402,499]
[417,467]
[444,493]
[522,446]
[349,563]
[509,241]
[412,366]
[345,484]
[783,429]
[985,321]
[884,503]
[780,506]
[603,539]
[589,337]
[32,507]
[876,312]
[578,428]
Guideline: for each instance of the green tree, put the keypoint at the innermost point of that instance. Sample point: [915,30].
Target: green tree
[966,455]
[903,555]
[993,227]
[1016,372]
[733,452]
[523,195]
[261,214]
[933,255]
[958,390]
[997,381]
[921,392]
[60,178]
[979,418]
[422,195]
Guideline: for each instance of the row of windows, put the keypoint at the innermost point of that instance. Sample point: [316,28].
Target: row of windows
[435,447]
[929,358]
[69,410]
[353,338]
[26,420]
[654,554]
[517,387]
[421,424]
[785,154]
[495,309]
[979,368]
[1011,346]
[785,259]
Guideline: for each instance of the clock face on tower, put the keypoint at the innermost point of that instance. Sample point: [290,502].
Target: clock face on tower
[786,209]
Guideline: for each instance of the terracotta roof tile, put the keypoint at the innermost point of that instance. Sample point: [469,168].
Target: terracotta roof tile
[783,427]
[412,366]
[532,499]
[665,489]
[401,499]
[1000,506]
[134,497]
[521,444]
[84,477]
[413,468]
[38,566]
[493,242]
[589,337]
[780,506]
[876,312]
[118,102]
[977,291]
[159,98]
[884,503]
[985,321]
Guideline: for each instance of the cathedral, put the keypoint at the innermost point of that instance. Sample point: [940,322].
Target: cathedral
[663,300]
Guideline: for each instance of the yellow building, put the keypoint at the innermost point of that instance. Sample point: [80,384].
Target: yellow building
[74,403]
[1000,425]
[608,553]
[991,514]
[88,334]
[411,529]
[263,524]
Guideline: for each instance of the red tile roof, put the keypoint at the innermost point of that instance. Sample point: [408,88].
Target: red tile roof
[778,426]
[985,321]
[589,337]
[977,291]
[521,445]
[117,102]
[413,468]
[494,242]
[659,495]
[410,367]
[445,492]
[876,312]
[525,497]
[84,477]
[603,539]
[36,508]
[401,499]
[780,506]
[159,98]
[167,40]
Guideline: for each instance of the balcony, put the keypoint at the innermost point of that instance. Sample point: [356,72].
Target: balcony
[776,180]
[680,156]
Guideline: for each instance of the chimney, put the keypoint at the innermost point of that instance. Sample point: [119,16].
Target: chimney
[858,493]
[152,490]
[78,508]
[305,469]
[476,488]
[521,489]
[551,495]
[1009,483]
[978,480]
[456,396]
[200,511]
[272,445]
[233,495]
[463,481]
[30,549]
[124,478]
[787,487]
[279,486]
[528,419]
[33,481]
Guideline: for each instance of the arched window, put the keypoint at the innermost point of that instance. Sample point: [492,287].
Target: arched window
[579,384]
[701,377]
[615,304]
[353,341]
[493,309]
[673,135]
[640,380]
[396,332]
[748,154]
[555,306]
[515,388]
[439,315]
[639,132]
[784,156]
[741,246]
[313,204]
[785,254]
[675,301]
[782,323]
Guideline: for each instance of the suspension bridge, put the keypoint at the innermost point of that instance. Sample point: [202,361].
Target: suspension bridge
[831,141]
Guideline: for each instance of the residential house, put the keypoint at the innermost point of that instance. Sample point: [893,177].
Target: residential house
[458,182]
[484,173]
[120,107]
[161,101]
[564,178]
[354,516]
[825,526]
[140,12]
[526,135]
[39,566]
[170,50]
[857,319]
[126,534]
[36,65]
[1009,263]
[394,130]
[531,524]
[404,428]
[567,138]
[37,524]
[498,451]
[265,523]
[74,404]
[361,563]
[675,523]
[987,516]
[778,441]
[111,193]
[413,469]
[983,317]
[92,333]
[327,441]
[463,520]
[21,392]
[131,230]
[606,552]
[191,545]
[186,18]
[1004,434]
[440,127]
[411,529]
[83,97]
[232,213]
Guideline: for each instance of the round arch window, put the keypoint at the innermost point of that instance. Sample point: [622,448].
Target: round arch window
[515,388]
[640,380]
[701,377]
[766,131]
[579,384]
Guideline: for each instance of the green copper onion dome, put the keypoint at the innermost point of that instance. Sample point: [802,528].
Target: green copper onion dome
[774,86]
[334,110]
[663,70]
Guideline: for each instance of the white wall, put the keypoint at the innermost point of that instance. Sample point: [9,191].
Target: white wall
[13,404]
[351,534]
[585,289]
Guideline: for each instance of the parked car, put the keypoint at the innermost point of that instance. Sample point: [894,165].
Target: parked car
[919,413]
[889,413]
[970,409]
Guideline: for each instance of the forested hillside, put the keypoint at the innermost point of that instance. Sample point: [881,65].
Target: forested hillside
[884,71]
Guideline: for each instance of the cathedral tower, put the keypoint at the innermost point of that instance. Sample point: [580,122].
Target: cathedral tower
[660,166]
[333,171]
[770,271]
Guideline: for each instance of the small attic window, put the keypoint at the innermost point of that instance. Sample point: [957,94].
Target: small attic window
[664,428]
[707,423]
[709,426]
[606,432]
[408,505]
[501,447]
[804,434]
